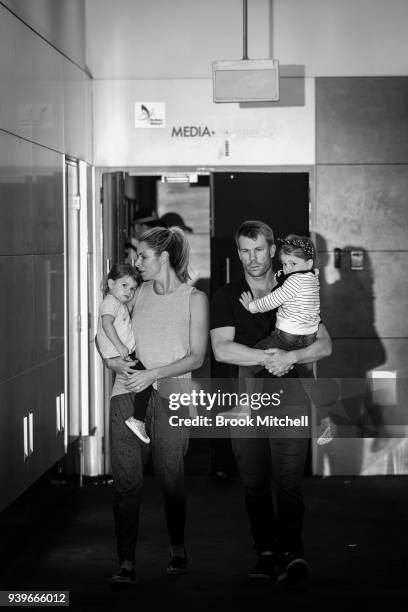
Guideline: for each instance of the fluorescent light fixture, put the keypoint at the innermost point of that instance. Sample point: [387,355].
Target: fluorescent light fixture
[186,177]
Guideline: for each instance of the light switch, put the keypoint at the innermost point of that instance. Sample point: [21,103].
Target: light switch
[357,260]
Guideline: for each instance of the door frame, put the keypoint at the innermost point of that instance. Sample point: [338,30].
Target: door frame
[102,406]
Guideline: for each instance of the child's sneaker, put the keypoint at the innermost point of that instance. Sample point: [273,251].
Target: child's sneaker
[238,411]
[138,428]
[327,431]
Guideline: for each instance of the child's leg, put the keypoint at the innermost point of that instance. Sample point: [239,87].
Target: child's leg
[142,398]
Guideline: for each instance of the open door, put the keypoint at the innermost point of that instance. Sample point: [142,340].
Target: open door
[279,199]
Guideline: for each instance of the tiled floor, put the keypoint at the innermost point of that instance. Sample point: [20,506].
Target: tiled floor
[61,538]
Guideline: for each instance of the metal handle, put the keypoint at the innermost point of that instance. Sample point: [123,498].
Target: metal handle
[64,413]
[62,405]
[227,270]
[48,303]
[25,430]
[245,30]
[108,265]
[30,433]
[58,414]
[49,272]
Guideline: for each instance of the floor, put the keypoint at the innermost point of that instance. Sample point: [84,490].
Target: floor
[60,537]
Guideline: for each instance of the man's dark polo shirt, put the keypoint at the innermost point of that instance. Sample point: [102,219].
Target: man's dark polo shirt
[227,311]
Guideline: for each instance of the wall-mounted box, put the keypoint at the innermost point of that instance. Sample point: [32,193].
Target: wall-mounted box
[246,81]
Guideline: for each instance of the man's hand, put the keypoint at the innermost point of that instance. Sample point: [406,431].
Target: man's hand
[279,362]
[139,380]
[119,365]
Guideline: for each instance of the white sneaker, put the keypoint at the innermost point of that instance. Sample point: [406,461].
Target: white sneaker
[138,428]
[239,411]
[328,431]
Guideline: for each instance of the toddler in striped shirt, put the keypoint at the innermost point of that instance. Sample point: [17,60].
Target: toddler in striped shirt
[297,299]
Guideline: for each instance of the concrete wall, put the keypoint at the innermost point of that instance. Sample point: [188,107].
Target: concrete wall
[157,39]
[61,23]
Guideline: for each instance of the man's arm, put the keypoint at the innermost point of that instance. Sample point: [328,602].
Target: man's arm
[321,347]
[228,351]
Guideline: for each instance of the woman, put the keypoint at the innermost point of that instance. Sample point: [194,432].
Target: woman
[170,325]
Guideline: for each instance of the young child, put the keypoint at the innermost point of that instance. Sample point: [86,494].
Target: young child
[115,335]
[298,315]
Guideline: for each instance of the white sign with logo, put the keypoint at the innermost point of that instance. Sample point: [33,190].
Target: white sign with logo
[196,131]
[150,115]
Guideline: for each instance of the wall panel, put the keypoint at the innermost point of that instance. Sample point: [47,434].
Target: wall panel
[31,101]
[365,303]
[47,95]
[353,357]
[47,196]
[45,112]
[34,391]
[362,120]
[16,46]
[44,97]
[16,215]
[78,113]
[48,325]
[62,23]
[15,399]
[16,314]
[362,205]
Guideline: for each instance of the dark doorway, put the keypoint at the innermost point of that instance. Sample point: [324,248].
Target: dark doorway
[279,199]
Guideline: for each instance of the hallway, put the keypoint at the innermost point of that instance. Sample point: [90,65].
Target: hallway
[354,540]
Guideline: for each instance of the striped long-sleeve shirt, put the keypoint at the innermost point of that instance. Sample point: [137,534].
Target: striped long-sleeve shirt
[298,303]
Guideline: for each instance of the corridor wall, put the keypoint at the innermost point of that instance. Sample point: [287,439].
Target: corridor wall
[45,114]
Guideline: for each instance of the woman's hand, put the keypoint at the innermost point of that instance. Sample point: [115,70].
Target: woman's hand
[279,362]
[119,365]
[139,380]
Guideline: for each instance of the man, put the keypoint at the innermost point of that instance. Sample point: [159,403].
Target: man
[234,331]
[143,220]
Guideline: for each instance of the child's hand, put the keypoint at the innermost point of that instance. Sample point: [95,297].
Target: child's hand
[123,351]
[245,299]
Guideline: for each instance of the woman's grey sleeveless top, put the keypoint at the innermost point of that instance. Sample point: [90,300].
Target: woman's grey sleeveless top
[161,325]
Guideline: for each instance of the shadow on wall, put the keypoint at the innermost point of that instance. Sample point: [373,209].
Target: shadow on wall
[291,89]
[348,310]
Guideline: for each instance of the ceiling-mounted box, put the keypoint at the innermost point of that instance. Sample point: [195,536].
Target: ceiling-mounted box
[246,81]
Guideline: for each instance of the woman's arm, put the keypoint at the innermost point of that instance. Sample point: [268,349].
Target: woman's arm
[199,325]
[321,347]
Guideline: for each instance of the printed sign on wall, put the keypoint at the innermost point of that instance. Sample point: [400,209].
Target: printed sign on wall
[150,115]
[197,132]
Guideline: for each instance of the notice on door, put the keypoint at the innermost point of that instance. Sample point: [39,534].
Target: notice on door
[150,115]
